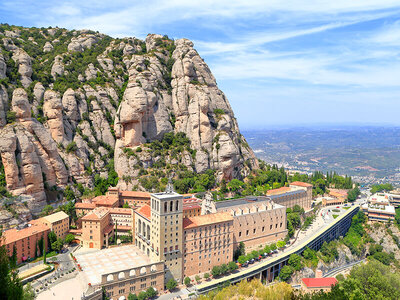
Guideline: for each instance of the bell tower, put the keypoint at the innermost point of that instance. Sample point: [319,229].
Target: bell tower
[166,231]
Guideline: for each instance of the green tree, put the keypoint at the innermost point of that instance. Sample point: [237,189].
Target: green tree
[142,295]
[281,244]
[29,293]
[216,271]
[44,255]
[151,293]
[295,262]
[13,258]
[126,205]
[267,249]
[241,250]
[69,238]
[285,273]
[47,210]
[10,285]
[132,297]
[206,276]
[52,237]
[186,281]
[224,269]
[171,284]
[197,277]
[273,247]
[242,259]
[232,266]
[57,245]
[235,185]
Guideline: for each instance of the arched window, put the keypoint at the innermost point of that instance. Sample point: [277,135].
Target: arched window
[121,275]
[132,273]
[171,206]
[165,207]
[110,277]
[177,205]
[142,271]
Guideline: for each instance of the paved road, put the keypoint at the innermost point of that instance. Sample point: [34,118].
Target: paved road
[65,263]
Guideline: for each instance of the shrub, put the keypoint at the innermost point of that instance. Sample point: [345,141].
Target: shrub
[71,147]
[197,277]
[206,276]
[186,281]
[11,116]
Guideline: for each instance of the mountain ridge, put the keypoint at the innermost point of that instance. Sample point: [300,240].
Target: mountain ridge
[74,104]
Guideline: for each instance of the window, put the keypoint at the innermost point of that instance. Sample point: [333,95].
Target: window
[240,233]
[247,232]
[143,286]
[132,288]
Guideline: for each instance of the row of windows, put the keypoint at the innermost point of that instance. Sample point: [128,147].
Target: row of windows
[262,229]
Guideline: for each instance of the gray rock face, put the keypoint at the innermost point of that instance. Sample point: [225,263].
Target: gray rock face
[69,127]
[28,151]
[24,63]
[82,42]
[3,67]
[202,111]
[48,47]
[3,105]
[58,68]
[52,110]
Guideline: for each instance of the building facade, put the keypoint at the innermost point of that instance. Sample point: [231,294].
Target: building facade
[124,219]
[126,281]
[256,220]
[379,208]
[97,228]
[25,240]
[297,193]
[207,242]
[58,223]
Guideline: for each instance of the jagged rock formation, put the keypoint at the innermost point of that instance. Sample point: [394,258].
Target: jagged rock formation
[81,99]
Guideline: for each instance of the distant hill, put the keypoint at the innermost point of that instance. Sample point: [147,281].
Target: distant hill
[356,151]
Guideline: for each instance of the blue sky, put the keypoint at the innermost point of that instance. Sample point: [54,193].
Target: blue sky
[278,62]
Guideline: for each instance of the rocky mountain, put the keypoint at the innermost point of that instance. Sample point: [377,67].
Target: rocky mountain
[74,104]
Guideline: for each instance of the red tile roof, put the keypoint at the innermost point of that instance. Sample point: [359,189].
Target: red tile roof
[96,214]
[191,200]
[191,206]
[105,200]
[300,183]
[206,220]
[136,194]
[280,190]
[13,235]
[319,282]
[82,205]
[144,211]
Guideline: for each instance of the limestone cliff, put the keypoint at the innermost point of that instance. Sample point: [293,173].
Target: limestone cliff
[76,103]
